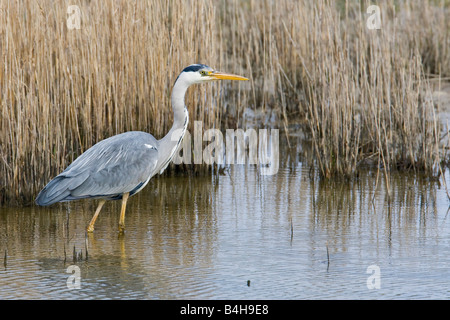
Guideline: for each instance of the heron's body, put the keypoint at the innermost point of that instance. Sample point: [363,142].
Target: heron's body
[103,170]
[122,165]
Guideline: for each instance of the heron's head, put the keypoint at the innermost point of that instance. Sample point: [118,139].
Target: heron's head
[198,73]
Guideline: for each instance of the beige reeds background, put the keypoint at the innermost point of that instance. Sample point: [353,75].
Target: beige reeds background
[363,96]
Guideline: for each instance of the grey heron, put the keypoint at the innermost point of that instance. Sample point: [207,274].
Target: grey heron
[122,165]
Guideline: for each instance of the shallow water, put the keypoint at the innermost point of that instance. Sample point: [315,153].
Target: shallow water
[238,235]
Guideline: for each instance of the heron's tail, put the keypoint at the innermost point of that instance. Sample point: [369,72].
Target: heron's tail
[59,189]
[55,191]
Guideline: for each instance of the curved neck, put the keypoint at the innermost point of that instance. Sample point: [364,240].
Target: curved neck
[178,92]
[172,140]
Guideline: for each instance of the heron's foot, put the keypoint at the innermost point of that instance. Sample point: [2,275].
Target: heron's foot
[90,227]
[121,227]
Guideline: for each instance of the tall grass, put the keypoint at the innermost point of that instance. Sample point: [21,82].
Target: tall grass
[367,96]
[362,94]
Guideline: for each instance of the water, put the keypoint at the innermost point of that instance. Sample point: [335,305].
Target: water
[238,235]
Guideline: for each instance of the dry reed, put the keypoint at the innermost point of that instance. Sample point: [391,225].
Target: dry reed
[367,96]
[363,94]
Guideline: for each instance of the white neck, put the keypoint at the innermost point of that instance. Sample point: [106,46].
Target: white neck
[171,142]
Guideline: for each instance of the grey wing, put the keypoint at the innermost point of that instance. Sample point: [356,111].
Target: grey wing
[120,164]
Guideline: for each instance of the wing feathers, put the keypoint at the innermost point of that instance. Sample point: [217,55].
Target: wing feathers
[110,168]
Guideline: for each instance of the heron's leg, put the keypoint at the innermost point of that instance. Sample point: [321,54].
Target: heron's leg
[90,227]
[122,212]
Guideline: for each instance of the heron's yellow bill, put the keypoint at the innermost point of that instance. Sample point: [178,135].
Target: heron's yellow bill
[226,76]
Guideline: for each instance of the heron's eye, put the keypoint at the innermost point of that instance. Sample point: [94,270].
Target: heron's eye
[203,73]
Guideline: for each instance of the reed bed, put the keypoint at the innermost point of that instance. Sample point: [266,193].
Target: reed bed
[363,95]
[367,96]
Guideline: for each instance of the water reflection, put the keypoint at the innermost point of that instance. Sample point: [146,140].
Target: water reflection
[206,237]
